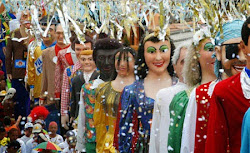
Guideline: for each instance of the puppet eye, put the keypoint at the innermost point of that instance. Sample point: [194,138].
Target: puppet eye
[164,48]
[151,49]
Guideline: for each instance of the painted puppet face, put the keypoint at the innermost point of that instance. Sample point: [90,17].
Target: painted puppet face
[157,56]
[124,65]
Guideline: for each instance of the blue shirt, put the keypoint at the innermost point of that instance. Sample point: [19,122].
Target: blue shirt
[247,71]
[44,47]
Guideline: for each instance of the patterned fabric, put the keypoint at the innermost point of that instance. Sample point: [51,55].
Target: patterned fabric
[68,74]
[88,93]
[61,64]
[203,103]
[106,106]
[133,98]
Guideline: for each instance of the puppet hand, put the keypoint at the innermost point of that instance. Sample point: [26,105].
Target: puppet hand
[9,77]
[64,121]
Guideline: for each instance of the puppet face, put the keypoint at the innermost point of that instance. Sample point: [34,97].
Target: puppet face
[206,61]
[80,47]
[246,50]
[59,35]
[232,57]
[105,63]
[87,62]
[124,65]
[25,19]
[178,67]
[51,33]
[157,56]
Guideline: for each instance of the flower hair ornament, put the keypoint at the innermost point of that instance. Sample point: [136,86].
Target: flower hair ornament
[200,35]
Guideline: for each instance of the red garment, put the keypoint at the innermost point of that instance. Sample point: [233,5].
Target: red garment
[64,59]
[228,106]
[203,102]
[135,130]
[57,48]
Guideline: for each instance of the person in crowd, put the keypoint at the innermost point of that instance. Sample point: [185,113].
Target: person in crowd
[37,129]
[103,55]
[65,144]
[8,125]
[13,147]
[155,72]
[52,136]
[72,144]
[27,132]
[108,99]
[161,117]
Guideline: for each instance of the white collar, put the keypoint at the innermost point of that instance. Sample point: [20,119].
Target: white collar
[70,50]
[245,84]
[97,82]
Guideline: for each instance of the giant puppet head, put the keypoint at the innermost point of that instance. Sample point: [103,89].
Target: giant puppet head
[103,55]
[155,55]
[230,58]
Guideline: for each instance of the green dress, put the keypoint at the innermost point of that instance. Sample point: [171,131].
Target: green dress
[177,109]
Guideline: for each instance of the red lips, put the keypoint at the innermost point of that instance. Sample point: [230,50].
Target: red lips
[158,64]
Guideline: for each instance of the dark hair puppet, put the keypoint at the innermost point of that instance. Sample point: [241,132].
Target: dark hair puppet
[142,67]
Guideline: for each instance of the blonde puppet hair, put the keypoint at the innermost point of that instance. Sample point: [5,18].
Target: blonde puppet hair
[192,69]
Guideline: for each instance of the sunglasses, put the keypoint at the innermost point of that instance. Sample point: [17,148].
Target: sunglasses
[232,50]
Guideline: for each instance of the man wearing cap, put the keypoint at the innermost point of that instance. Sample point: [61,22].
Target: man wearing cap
[65,144]
[37,128]
[35,63]
[72,71]
[52,136]
[230,60]
[230,99]
[27,132]
[72,144]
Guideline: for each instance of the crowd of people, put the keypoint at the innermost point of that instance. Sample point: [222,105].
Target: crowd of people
[104,96]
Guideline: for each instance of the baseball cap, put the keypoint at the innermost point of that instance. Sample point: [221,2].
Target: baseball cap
[37,128]
[28,125]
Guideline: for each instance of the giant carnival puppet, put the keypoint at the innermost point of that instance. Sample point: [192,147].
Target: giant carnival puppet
[16,55]
[108,99]
[230,99]
[103,55]
[198,68]
[72,71]
[161,117]
[154,69]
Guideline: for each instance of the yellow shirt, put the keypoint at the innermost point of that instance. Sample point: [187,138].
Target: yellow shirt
[35,66]
[105,113]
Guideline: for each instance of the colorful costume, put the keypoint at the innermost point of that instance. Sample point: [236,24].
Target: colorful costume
[177,109]
[137,109]
[195,123]
[4,31]
[16,55]
[77,83]
[161,118]
[65,58]
[85,121]
[106,108]
[68,74]
[230,101]
[35,65]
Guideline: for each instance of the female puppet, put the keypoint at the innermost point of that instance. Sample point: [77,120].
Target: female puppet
[198,104]
[155,72]
[198,69]
[108,98]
